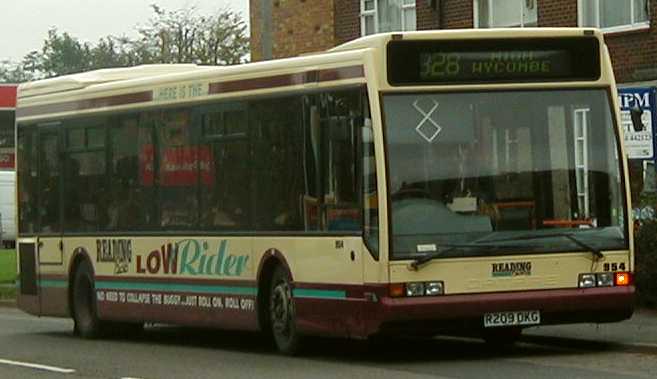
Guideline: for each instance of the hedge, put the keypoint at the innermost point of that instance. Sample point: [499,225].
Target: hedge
[645,245]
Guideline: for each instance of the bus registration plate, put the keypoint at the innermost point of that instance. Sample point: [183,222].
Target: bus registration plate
[512,318]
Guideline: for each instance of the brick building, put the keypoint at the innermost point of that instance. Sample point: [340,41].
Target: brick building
[283,28]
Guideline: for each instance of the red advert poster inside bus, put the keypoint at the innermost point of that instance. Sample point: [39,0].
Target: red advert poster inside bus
[179,166]
[7,160]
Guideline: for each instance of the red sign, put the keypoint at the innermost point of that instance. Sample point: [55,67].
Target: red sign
[179,166]
[7,96]
[7,161]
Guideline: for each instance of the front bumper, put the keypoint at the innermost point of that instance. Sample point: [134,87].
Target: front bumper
[465,312]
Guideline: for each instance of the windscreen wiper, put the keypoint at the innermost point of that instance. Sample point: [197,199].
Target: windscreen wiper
[416,264]
[597,254]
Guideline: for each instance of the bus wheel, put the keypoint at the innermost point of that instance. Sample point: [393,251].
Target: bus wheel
[502,336]
[282,313]
[87,324]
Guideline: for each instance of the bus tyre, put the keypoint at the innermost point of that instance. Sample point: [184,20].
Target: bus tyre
[282,314]
[85,315]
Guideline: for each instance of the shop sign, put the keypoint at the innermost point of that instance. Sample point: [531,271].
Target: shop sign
[638,139]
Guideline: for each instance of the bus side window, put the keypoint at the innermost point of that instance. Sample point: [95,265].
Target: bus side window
[27,179]
[48,182]
[129,195]
[341,122]
[85,177]
[177,172]
[278,152]
[223,156]
[369,190]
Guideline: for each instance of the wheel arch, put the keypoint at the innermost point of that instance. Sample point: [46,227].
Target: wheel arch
[80,255]
[268,263]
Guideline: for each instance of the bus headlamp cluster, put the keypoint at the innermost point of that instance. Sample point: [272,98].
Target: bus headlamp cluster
[604,279]
[416,289]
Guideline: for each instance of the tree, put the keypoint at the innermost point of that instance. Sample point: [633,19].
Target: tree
[224,41]
[63,54]
[109,52]
[11,72]
[180,36]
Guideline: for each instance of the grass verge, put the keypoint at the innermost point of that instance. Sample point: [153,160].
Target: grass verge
[7,293]
[7,266]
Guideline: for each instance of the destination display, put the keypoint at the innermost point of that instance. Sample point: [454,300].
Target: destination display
[477,61]
[482,65]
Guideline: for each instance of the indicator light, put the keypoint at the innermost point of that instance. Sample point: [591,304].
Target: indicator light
[623,279]
[396,289]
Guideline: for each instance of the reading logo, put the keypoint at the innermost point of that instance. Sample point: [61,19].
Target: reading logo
[118,251]
[511,269]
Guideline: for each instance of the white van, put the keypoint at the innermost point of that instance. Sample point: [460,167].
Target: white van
[8,208]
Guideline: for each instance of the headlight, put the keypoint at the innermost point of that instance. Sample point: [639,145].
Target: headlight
[434,288]
[605,279]
[414,289]
[586,280]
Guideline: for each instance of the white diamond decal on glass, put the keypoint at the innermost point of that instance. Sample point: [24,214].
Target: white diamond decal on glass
[427,128]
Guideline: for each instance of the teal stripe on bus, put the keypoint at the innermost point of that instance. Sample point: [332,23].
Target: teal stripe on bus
[53,283]
[318,294]
[175,287]
[164,287]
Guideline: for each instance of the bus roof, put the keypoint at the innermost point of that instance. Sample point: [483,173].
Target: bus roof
[115,82]
[118,78]
[112,75]
[379,40]
[107,75]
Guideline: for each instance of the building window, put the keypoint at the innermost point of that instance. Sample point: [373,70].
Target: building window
[379,16]
[505,13]
[614,15]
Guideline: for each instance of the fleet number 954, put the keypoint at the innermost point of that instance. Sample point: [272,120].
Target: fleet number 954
[614,266]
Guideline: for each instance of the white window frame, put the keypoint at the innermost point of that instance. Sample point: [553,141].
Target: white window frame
[374,13]
[405,8]
[475,14]
[613,29]
[368,13]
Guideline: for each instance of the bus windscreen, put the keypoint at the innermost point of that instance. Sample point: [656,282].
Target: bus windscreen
[423,62]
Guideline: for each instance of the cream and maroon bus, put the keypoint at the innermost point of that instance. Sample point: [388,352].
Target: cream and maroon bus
[423,182]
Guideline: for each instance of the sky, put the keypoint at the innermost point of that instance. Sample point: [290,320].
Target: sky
[24,24]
